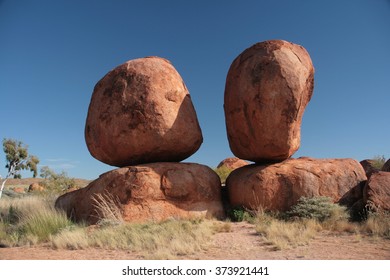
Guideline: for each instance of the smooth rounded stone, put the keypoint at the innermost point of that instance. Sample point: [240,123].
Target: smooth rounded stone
[149,192]
[267,89]
[279,186]
[141,112]
[377,191]
[232,163]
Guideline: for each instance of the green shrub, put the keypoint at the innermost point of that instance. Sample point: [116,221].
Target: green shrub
[320,208]
[56,182]
[239,214]
[378,162]
[223,172]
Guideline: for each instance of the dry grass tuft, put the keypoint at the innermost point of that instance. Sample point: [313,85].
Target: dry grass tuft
[108,209]
[165,240]
[286,234]
[377,224]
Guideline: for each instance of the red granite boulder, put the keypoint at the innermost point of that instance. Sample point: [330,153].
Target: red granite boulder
[278,186]
[267,89]
[377,191]
[149,192]
[141,112]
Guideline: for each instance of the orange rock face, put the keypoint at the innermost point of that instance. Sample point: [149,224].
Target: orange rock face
[279,186]
[141,112]
[267,89]
[232,163]
[377,190]
[150,192]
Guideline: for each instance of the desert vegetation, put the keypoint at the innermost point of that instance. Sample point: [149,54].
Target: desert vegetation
[32,221]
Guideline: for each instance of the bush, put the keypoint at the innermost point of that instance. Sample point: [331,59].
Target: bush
[378,162]
[320,208]
[223,172]
[239,214]
[56,182]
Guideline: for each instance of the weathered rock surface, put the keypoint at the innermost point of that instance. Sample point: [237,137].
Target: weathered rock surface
[141,112]
[386,166]
[267,89]
[150,192]
[279,186]
[368,166]
[377,191]
[232,163]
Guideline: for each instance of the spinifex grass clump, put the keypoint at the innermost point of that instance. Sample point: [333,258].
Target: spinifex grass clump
[318,208]
[299,225]
[154,240]
[29,220]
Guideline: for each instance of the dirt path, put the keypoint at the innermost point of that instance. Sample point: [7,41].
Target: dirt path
[241,243]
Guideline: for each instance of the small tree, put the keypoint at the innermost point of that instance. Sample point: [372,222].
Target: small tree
[17,159]
[56,181]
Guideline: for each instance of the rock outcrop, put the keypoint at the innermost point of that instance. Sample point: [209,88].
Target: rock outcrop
[278,186]
[141,112]
[232,163]
[386,166]
[149,192]
[377,191]
[267,89]
[368,166]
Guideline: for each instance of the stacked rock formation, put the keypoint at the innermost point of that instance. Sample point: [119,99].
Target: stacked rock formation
[267,89]
[141,118]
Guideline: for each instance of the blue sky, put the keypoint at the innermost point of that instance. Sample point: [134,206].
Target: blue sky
[52,53]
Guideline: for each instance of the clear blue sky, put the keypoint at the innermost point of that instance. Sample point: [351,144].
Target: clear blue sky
[52,53]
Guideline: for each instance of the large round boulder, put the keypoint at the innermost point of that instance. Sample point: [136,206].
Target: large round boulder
[149,192]
[377,191]
[278,186]
[141,112]
[267,89]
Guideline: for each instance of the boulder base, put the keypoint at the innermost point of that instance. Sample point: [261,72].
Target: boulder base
[278,186]
[150,192]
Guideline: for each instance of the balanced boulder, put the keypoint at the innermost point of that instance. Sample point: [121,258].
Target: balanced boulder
[278,186]
[149,192]
[267,89]
[141,112]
